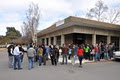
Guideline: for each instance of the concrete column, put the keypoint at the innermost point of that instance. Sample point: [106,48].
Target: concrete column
[39,41]
[62,39]
[49,43]
[45,40]
[55,40]
[93,39]
[108,39]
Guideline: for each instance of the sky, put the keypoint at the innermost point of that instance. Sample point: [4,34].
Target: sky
[13,12]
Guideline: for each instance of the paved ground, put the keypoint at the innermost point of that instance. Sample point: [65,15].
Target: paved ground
[91,71]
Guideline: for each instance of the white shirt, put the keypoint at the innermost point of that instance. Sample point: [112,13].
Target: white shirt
[16,51]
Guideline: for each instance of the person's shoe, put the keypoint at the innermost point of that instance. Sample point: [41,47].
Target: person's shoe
[44,64]
[15,68]
[19,68]
[80,66]
[29,69]
[73,63]
[38,66]
[62,63]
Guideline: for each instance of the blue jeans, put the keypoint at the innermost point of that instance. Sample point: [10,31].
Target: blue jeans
[31,61]
[106,55]
[97,56]
[64,57]
[40,60]
[46,56]
[17,61]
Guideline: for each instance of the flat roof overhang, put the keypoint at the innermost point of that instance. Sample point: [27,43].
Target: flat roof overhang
[73,21]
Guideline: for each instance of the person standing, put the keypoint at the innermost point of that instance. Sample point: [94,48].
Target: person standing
[80,52]
[36,55]
[47,51]
[87,52]
[103,50]
[44,55]
[74,54]
[10,56]
[31,54]
[92,52]
[110,50]
[17,60]
[40,52]
[57,52]
[64,53]
[53,55]
[106,52]
[22,53]
[69,52]
[60,51]
[96,52]
[99,51]
[113,48]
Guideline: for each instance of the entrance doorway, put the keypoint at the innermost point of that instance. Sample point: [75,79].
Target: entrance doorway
[78,38]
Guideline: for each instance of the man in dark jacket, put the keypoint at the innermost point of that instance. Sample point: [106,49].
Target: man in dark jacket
[44,55]
[53,55]
[22,53]
[10,56]
[64,53]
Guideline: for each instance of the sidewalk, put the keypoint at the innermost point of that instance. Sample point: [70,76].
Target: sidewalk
[1,49]
[77,61]
[86,61]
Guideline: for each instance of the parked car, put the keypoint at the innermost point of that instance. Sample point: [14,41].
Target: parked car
[116,55]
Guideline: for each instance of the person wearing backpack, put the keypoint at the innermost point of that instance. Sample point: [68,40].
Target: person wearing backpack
[31,54]
[10,56]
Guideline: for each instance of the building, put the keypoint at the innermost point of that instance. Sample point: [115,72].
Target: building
[80,31]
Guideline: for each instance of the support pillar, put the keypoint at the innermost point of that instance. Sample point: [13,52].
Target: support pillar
[94,39]
[108,39]
[62,39]
[55,40]
[45,40]
[49,43]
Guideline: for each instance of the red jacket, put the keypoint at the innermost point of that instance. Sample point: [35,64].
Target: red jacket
[96,49]
[80,52]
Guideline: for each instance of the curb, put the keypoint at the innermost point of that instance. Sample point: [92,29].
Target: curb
[87,61]
[2,49]
[98,61]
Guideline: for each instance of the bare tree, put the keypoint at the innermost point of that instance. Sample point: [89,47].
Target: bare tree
[113,16]
[98,11]
[30,26]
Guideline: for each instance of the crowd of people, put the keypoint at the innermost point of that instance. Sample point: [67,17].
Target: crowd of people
[43,53]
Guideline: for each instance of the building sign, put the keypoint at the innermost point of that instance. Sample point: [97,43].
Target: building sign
[59,23]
